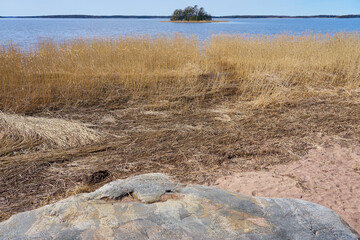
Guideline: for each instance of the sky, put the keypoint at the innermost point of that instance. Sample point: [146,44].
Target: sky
[166,7]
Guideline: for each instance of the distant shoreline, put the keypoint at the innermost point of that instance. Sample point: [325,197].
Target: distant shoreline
[211,21]
[150,17]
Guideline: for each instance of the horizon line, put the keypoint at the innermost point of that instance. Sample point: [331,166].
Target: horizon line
[169,16]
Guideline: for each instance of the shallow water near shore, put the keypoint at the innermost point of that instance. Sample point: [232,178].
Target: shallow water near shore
[30,31]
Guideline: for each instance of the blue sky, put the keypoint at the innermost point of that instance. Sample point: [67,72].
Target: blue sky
[166,7]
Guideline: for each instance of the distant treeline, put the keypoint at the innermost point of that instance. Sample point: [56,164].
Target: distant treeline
[349,16]
[90,16]
[142,16]
[284,16]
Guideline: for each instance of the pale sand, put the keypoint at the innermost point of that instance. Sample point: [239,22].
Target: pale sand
[329,176]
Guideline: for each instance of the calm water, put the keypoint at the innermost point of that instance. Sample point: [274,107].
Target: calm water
[29,31]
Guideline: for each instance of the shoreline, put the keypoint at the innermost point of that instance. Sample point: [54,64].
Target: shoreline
[212,21]
[168,17]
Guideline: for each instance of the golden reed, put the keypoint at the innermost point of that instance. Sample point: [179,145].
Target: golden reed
[261,69]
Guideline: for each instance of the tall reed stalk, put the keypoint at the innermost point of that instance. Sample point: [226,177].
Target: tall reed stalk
[262,69]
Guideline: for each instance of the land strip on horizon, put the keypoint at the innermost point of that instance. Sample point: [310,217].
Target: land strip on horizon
[152,16]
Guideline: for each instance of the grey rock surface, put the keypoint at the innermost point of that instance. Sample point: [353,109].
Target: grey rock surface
[151,206]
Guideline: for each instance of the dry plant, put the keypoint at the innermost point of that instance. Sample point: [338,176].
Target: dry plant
[194,110]
[87,71]
[262,69]
[19,133]
[269,69]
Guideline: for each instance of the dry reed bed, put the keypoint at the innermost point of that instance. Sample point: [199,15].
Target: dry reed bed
[260,69]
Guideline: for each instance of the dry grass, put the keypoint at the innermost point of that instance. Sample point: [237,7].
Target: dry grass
[261,69]
[89,71]
[196,145]
[193,110]
[274,69]
[19,133]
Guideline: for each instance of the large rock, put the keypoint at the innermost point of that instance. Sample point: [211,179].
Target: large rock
[151,206]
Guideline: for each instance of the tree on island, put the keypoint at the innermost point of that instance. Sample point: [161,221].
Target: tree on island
[191,14]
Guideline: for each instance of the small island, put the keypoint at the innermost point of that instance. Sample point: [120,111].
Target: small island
[191,15]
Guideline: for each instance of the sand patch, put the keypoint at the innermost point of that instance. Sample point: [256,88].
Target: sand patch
[328,176]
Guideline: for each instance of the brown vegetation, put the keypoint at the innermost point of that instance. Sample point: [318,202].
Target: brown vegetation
[19,133]
[176,105]
[261,69]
